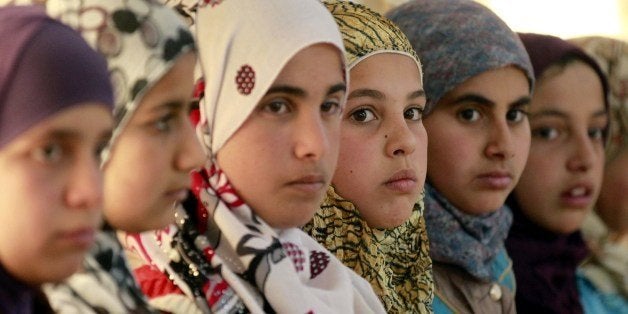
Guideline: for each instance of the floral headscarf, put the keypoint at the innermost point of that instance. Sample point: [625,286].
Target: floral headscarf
[141,40]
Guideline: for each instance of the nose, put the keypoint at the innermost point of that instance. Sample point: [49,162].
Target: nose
[400,141]
[583,154]
[311,136]
[189,155]
[84,189]
[500,144]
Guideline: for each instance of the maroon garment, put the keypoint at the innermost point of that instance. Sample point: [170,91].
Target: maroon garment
[45,67]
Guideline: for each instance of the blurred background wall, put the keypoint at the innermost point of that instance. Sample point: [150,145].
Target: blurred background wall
[563,18]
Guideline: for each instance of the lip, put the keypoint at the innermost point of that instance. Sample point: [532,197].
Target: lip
[82,238]
[310,184]
[577,196]
[402,181]
[496,180]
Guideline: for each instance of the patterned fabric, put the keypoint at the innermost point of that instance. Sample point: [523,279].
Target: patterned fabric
[457,40]
[141,40]
[45,68]
[221,255]
[365,32]
[467,241]
[395,261]
[104,285]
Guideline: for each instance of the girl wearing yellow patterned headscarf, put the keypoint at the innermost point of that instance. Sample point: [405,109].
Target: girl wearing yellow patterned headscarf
[372,217]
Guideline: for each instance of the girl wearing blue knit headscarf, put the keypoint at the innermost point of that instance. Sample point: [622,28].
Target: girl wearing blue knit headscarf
[55,118]
[478,80]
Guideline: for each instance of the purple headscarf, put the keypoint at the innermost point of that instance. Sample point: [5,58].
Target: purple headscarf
[45,67]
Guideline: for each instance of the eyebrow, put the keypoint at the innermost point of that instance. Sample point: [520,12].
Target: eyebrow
[563,115]
[365,92]
[73,135]
[475,98]
[172,105]
[299,92]
[416,94]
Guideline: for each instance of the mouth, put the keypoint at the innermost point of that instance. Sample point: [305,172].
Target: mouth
[496,180]
[309,184]
[82,238]
[578,196]
[403,181]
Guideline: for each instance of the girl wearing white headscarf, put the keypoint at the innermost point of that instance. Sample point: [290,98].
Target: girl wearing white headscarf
[269,122]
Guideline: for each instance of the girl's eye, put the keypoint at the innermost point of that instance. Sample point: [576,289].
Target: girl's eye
[414,114]
[164,123]
[515,115]
[330,107]
[363,115]
[277,107]
[49,153]
[596,133]
[546,133]
[469,115]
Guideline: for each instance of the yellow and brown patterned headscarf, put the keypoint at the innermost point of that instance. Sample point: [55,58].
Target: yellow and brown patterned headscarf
[395,261]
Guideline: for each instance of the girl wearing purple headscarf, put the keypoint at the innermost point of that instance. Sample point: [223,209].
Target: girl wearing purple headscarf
[55,118]
[562,178]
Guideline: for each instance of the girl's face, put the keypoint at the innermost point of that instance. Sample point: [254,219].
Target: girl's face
[479,140]
[563,175]
[282,158]
[150,163]
[612,205]
[51,195]
[383,144]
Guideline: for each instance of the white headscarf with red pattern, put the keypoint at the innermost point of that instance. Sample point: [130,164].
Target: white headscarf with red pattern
[221,257]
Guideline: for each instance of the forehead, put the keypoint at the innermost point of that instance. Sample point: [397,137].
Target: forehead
[501,86]
[573,90]
[313,65]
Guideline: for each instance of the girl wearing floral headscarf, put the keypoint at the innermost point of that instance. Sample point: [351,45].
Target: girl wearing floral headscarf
[151,58]
[372,217]
[478,80]
[55,118]
[273,93]
[563,175]
[604,275]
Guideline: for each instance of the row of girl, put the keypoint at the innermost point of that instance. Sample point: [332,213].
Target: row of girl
[297,170]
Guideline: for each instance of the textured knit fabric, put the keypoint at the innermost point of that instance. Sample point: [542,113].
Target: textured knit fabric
[457,40]
[468,241]
[45,68]
[141,40]
[395,261]
[221,256]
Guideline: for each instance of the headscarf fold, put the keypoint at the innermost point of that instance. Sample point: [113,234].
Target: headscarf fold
[221,256]
[141,40]
[45,68]
[395,261]
[457,40]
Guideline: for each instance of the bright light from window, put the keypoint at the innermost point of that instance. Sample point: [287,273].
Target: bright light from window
[563,18]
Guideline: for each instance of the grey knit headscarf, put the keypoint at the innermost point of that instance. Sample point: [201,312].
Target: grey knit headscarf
[457,40]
